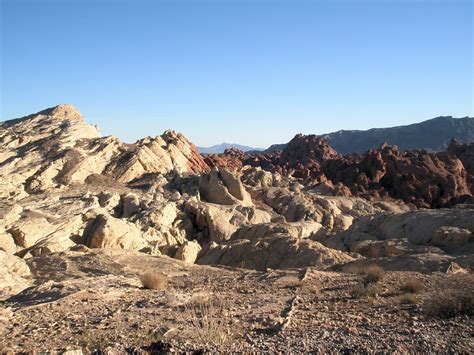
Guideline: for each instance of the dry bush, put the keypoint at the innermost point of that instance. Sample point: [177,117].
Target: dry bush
[453,298]
[154,281]
[362,291]
[306,286]
[372,274]
[208,323]
[411,286]
[408,299]
[450,303]
[95,340]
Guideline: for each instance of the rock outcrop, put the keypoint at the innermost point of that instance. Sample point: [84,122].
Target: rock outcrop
[443,231]
[263,247]
[55,148]
[417,177]
[109,232]
[15,275]
[223,188]
[65,188]
[188,251]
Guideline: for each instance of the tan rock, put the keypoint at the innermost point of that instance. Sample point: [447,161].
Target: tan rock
[221,222]
[130,205]
[109,232]
[188,251]
[441,230]
[223,188]
[7,243]
[110,201]
[276,251]
[14,275]
[27,231]
[390,247]
[170,152]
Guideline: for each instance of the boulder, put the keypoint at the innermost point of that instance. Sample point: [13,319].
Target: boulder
[223,188]
[27,231]
[188,251]
[109,232]
[15,275]
[220,222]
[130,205]
[7,243]
[110,201]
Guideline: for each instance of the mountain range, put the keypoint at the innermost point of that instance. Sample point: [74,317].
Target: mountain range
[220,148]
[432,135]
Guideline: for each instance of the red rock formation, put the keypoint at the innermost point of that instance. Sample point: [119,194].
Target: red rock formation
[418,177]
[464,152]
[307,151]
[231,159]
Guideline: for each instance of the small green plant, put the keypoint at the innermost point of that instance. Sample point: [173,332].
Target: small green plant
[154,281]
[411,286]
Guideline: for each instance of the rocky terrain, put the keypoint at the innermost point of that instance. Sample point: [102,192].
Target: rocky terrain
[151,246]
[417,177]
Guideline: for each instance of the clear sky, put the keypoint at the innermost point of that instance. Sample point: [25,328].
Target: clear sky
[250,72]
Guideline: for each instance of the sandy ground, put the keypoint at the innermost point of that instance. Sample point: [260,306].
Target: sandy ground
[95,300]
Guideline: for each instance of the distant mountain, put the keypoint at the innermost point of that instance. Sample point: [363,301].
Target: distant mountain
[432,135]
[219,148]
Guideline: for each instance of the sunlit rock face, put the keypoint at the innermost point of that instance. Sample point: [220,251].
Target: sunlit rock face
[64,187]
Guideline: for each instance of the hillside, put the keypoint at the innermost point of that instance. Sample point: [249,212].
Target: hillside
[432,135]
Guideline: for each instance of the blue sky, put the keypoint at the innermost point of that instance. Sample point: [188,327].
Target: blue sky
[252,72]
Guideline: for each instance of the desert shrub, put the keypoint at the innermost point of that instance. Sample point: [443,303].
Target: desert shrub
[372,274]
[411,286]
[450,303]
[95,340]
[207,322]
[363,291]
[154,281]
[409,298]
